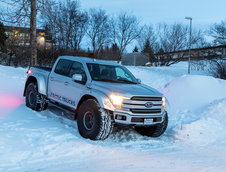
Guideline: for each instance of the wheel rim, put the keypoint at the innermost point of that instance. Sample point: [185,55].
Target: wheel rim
[31,98]
[88,120]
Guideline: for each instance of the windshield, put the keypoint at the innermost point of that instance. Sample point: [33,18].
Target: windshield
[111,73]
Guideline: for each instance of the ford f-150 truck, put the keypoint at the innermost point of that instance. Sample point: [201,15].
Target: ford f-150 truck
[101,94]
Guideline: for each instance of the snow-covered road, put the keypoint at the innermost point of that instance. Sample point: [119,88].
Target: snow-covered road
[194,141]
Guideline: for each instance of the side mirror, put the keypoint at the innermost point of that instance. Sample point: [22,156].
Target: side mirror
[77,77]
[138,80]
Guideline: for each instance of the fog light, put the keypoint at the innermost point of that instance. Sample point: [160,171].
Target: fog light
[120,117]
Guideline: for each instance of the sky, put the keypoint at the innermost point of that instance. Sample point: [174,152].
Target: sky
[203,12]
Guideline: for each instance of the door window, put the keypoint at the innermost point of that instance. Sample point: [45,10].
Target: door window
[77,68]
[63,67]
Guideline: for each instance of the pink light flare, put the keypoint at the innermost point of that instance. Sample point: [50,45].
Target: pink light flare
[9,103]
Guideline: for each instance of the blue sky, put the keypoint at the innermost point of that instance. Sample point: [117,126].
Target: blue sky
[203,12]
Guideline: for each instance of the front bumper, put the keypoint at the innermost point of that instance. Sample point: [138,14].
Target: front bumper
[128,118]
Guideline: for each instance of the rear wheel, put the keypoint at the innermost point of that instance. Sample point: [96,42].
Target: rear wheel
[33,98]
[155,130]
[93,122]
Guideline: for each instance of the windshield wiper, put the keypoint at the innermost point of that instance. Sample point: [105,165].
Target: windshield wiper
[116,81]
[126,81]
[105,80]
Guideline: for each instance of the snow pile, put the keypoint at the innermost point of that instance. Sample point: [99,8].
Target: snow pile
[194,92]
[190,99]
[208,129]
[158,76]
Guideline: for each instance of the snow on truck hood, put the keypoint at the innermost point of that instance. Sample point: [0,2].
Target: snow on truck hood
[128,90]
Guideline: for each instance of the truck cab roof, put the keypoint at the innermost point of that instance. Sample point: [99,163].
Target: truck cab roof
[89,60]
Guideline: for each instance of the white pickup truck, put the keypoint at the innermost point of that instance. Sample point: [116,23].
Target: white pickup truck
[101,94]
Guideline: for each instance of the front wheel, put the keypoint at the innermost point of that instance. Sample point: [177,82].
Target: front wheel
[155,130]
[93,122]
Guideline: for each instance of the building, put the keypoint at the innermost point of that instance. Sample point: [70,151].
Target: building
[167,58]
[196,53]
[20,36]
[134,59]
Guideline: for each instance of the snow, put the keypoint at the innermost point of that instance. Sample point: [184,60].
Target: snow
[195,139]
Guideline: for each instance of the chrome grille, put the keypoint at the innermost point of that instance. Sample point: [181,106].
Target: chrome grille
[140,98]
[137,105]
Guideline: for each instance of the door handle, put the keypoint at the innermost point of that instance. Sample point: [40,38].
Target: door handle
[51,78]
[65,83]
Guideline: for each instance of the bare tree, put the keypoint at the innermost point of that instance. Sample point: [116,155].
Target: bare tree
[98,29]
[148,34]
[3,37]
[174,38]
[33,40]
[21,11]
[218,31]
[125,29]
[218,68]
[67,23]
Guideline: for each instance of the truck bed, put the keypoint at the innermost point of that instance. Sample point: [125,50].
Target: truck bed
[44,71]
[48,69]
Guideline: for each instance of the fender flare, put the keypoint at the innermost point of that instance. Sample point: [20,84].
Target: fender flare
[41,83]
[102,99]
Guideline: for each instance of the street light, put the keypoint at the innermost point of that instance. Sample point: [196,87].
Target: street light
[189,50]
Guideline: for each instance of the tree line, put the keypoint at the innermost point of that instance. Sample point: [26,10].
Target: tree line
[95,33]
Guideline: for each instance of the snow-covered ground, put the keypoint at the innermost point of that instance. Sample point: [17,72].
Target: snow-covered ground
[194,141]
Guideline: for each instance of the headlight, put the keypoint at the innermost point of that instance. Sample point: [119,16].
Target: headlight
[117,100]
[163,101]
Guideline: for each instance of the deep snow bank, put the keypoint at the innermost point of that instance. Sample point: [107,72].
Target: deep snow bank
[208,128]
[194,92]
[197,107]
[158,76]
[196,103]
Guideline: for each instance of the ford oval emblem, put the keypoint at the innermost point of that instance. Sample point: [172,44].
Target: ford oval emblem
[148,104]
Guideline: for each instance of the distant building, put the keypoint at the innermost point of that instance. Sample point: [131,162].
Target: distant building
[134,59]
[140,59]
[196,53]
[20,36]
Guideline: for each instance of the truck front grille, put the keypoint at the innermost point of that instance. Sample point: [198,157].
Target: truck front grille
[138,105]
[139,98]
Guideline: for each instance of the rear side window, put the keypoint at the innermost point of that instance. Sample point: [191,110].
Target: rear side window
[63,67]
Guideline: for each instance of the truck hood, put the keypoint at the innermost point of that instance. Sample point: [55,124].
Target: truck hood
[127,90]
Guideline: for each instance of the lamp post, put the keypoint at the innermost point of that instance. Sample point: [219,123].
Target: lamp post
[189,48]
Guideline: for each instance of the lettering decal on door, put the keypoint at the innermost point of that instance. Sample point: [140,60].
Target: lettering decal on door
[63,99]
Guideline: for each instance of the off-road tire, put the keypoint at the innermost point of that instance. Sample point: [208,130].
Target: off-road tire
[100,127]
[155,130]
[33,97]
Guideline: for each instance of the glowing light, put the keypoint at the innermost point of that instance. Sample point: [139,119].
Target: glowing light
[10,101]
[42,33]
[16,32]
[41,40]
[8,104]
[29,71]
[117,100]
[163,101]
